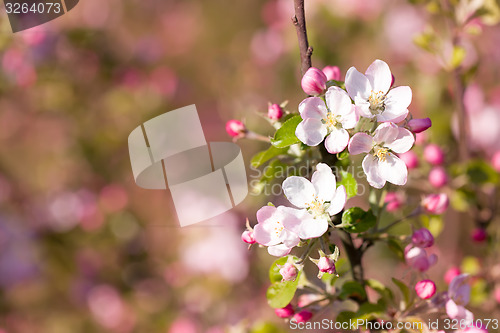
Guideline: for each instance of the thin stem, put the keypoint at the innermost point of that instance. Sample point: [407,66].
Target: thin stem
[299,20]
[306,252]
[416,212]
[354,255]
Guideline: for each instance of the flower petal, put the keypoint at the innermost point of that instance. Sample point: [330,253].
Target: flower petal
[278,250]
[370,167]
[360,143]
[398,100]
[311,131]
[289,238]
[299,191]
[390,116]
[350,119]
[265,213]
[312,228]
[357,85]
[338,201]
[362,108]
[386,132]
[324,182]
[404,141]
[393,170]
[264,234]
[294,218]
[338,101]
[312,107]
[379,75]
[337,140]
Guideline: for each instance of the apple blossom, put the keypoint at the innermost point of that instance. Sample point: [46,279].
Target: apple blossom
[381,165]
[436,203]
[248,237]
[410,159]
[479,235]
[438,177]
[393,201]
[417,258]
[314,82]
[302,316]
[326,263]
[419,125]
[451,273]
[318,200]
[330,120]
[235,128]
[332,73]
[289,272]
[434,154]
[285,312]
[372,94]
[274,112]
[422,238]
[425,289]
[270,230]
[459,296]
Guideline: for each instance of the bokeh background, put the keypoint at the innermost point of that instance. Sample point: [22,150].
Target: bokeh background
[83,249]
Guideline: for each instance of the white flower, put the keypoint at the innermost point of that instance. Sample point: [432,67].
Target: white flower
[372,96]
[381,165]
[331,120]
[458,297]
[318,200]
[270,230]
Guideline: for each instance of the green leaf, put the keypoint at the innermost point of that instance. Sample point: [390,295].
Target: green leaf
[264,327]
[275,169]
[350,184]
[274,271]
[334,83]
[382,290]
[285,135]
[405,291]
[396,248]
[480,172]
[279,294]
[369,311]
[345,317]
[352,289]
[264,156]
[356,220]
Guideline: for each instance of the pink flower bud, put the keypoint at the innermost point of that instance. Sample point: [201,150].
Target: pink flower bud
[436,203]
[425,289]
[410,159]
[314,81]
[438,177]
[248,237]
[496,293]
[332,73]
[420,138]
[302,316]
[326,265]
[495,161]
[393,79]
[422,238]
[434,154]
[289,272]
[274,112]
[393,201]
[235,128]
[479,235]
[418,259]
[451,274]
[285,312]
[419,125]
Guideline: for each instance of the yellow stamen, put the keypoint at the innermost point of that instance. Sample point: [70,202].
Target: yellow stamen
[381,153]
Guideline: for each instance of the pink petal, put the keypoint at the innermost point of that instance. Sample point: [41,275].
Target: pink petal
[404,141]
[265,213]
[386,132]
[379,75]
[350,119]
[338,101]
[337,141]
[398,100]
[370,167]
[338,201]
[324,182]
[311,131]
[393,170]
[279,250]
[312,228]
[357,84]
[264,235]
[289,239]
[362,108]
[387,116]
[299,191]
[360,143]
[312,107]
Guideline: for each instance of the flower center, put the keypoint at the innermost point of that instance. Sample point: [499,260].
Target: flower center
[376,100]
[330,120]
[381,153]
[316,207]
[278,228]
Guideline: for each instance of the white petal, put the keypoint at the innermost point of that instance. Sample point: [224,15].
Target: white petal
[311,131]
[312,107]
[390,116]
[338,101]
[370,167]
[265,213]
[294,218]
[357,84]
[324,182]
[363,108]
[350,119]
[299,191]
[379,76]
[312,228]
[278,250]
[398,100]
[360,143]
[386,132]
[290,239]
[337,140]
[264,234]
[338,201]
[393,170]
[404,141]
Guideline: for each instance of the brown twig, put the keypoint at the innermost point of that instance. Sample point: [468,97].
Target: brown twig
[299,20]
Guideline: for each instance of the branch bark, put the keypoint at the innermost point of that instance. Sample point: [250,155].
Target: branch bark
[299,20]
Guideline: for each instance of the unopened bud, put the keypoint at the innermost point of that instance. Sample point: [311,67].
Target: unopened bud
[410,159]
[422,238]
[289,272]
[436,203]
[285,312]
[326,265]
[274,112]
[332,73]
[314,81]
[438,177]
[419,125]
[248,237]
[479,235]
[495,161]
[425,289]
[434,154]
[302,316]
[235,128]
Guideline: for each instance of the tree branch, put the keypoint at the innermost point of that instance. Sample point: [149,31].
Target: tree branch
[299,20]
